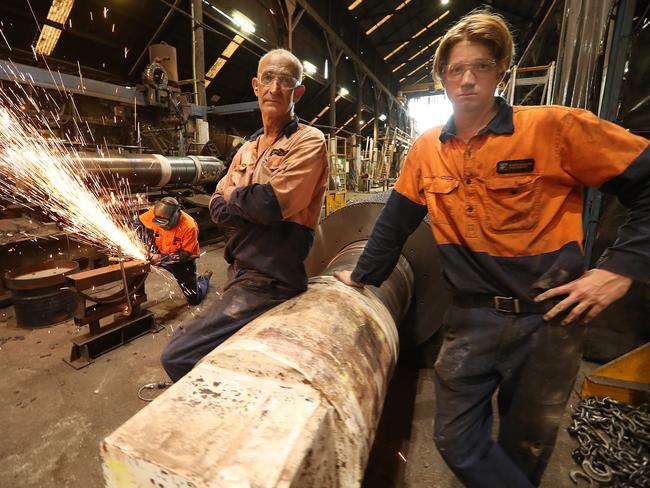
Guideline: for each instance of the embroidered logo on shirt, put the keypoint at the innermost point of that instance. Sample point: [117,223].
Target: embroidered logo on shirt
[516,166]
[278,152]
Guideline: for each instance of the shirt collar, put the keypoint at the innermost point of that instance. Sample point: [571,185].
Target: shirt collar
[287,130]
[501,123]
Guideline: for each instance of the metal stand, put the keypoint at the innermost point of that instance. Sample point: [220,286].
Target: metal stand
[130,320]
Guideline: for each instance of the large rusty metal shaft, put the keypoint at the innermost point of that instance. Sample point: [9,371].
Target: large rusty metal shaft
[395,293]
[154,170]
[293,399]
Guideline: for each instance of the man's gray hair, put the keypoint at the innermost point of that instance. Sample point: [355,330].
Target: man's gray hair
[289,56]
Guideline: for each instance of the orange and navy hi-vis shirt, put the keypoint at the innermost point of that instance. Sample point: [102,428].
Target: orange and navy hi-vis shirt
[183,237]
[506,208]
[276,203]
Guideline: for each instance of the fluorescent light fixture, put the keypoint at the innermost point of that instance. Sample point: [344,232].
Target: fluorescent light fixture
[223,58]
[417,34]
[47,40]
[387,17]
[59,11]
[343,91]
[354,4]
[243,22]
[346,123]
[49,36]
[382,117]
[310,69]
[425,48]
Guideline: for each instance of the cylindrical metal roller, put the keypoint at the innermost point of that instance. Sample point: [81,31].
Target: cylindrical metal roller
[395,293]
[352,225]
[154,170]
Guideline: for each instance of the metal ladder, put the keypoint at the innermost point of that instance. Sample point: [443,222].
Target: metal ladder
[545,80]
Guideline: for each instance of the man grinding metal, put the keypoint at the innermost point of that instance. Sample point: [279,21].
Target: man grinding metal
[175,239]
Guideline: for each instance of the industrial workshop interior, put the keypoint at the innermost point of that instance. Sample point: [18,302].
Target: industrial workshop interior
[324,243]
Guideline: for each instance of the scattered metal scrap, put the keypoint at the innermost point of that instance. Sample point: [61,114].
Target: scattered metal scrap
[614,443]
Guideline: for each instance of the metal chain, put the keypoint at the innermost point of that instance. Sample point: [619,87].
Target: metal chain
[613,443]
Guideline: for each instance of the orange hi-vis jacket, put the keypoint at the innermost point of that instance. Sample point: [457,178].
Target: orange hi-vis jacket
[183,237]
[506,208]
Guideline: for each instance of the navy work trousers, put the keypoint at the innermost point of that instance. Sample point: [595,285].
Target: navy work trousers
[194,288]
[532,363]
[246,295]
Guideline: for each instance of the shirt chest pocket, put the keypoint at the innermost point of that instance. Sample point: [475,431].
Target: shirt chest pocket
[238,176]
[512,203]
[269,166]
[441,194]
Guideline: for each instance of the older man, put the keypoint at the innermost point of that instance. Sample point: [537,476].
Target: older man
[270,202]
[503,187]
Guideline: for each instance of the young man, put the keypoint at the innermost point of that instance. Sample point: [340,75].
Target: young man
[176,245]
[503,187]
[271,201]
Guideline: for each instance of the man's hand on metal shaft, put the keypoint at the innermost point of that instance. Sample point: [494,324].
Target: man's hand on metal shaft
[346,277]
[591,294]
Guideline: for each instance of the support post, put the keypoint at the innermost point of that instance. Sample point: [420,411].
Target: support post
[198,49]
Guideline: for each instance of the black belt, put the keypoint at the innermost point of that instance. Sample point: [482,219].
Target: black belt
[503,304]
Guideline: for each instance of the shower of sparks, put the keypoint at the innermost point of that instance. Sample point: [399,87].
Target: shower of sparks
[40,172]
[5,39]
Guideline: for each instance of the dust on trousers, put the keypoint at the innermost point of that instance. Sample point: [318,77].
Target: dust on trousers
[532,363]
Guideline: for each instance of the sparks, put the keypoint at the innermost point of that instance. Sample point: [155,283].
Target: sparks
[41,172]
[401,456]
[6,41]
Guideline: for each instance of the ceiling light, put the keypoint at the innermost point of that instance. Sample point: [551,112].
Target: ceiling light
[310,69]
[223,58]
[444,2]
[243,22]
[49,36]
[343,91]
[354,4]
[382,117]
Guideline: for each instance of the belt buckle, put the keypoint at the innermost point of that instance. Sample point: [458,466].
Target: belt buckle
[506,304]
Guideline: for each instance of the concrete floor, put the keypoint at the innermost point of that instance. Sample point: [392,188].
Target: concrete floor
[53,416]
